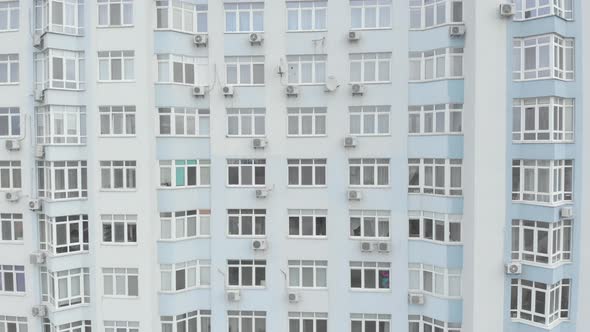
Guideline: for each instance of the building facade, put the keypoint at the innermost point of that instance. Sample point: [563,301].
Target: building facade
[300,166]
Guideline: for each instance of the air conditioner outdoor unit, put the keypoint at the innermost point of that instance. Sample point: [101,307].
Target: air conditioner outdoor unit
[261,193]
[354,36]
[292,91]
[200,40]
[384,246]
[507,9]
[566,212]
[39,311]
[457,30]
[354,195]
[38,41]
[294,297]
[258,244]
[366,246]
[233,295]
[513,268]
[259,143]
[12,196]
[228,91]
[199,91]
[256,38]
[40,151]
[40,95]
[358,89]
[12,145]
[349,142]
[38,258]
[415,298]
[35,205]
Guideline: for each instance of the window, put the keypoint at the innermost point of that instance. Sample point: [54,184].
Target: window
[246,172]
[65,288]
[542,242]
[246,122]
[244,70]
[306,121]
[246,222]
[419,323]
[439,119]
[64,234]
[182,16]
[539,303]
[118,175]
[433,226]
[119,228]
[308,322]
[9,68]
[307,15]
[425,14]
[369,224]
[370,322]
[370,67]
[439,64]
[60,124]
[11,227]
[181,225]
[60,180]
[10,175]
[307,172]
[244,321]
[180,69]
[308,274]
[543,57]
[542,181]
[185,275]
[368,172]
[369,120]
[369,275]
[307,223]
[435,176]
[59,16]
[116,66]
[59,69]
[12,279]
[545,119]
[117,120]
[194,321]
[78,326]
[531,9]
[9,121]
[370,14]
[13,323]
[185,173]
[244,17]
[246,273]
[120,282]
[183,122]
[115,13]
[9,17]
[434,280]
[306,69]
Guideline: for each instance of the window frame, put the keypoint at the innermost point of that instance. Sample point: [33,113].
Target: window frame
[300,62]
[202,275]
[424,7]
[238,115]
[363,113]
[316,165]
[240,214]
[197,119]
[45,76]
[437,275]
[363,215]
[51,281]
[49,118]
[300,214]
[436,220]
[239,265]
[378,268]
[129,226]
[166,69]
[12,171]
[17,279]
[172,219]
[559,111]
[45,8]
[202,173]
[49,229]
[252,62]
[315,7]
[13,323]
[116,276]
[364,60]
[558,192]
[379,319]
[427,118]
[419,323]
[126,58]
[11,62]
[12,118]
[124,5]
[254,8]
[560,50]
[314,113]
[109,114]
[556,8]
[378,6]
[169,9]
[181,322]
[296,270]
[46,175]
[430,60]
[254,164]
[12,16]
[126,168]
[559,236]
[362,164]
[551,294]
[419,167]
[11,224]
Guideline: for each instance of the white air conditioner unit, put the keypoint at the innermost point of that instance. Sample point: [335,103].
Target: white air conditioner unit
[12,145]
[256,38]
[513,268]
[259,143]
[507,9]
[38,258]
[233,295]
[12,196]
[292,91]
[354,36]
[40,151]
[35,205]
[354,195]
[228,91]
[384,247]
[39,311]
[38,41]
[415,298]
[262,193]
[366,246]
[566,212]
[457,30]
[350,142]
[294,297]
[200,40]
[39,95]
[358,89]
[199,91]
[258,244]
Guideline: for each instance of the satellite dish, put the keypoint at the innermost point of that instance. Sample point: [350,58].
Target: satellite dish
[331,83]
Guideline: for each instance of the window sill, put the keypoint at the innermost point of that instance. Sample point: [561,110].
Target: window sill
[16,294]
[307,136]
[206,237]
[121,297]
[181,31]
[436,80]
[442,243]
[371,29]
[10,84]
[543,326]
[126,26]
[371,83]
[246,85]
[119,244]
[371,135]
[435,26]
[369,239]
[10,242]
[524,80]
[542,265]
[307,289]
[180,291]
[180,188]
[246,237]
[435,195]
[115,81]
[542,142]
[306,237]
[180,136]
[543,16]
[257,186]
[9,30]
[545,204]
[57,200]
[52,254]
[306,31]
[117,136]
[68,307]
[355,187]
[106,190]
[241,32]
[442,297]
[63,144]
[245,136]
[370,290]
[177,83]
[434,134]
[245,287]
[307,186]
[318,84]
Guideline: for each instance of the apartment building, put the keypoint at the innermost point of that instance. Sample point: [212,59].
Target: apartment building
[293,165]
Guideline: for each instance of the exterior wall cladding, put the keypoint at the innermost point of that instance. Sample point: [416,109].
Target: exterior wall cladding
[300,166]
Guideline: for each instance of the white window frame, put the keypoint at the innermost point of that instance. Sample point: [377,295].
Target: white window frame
[181,16]
[360,166]
[317,268]
[181,322]
[364,268]
[175,226]
[239,217]
[46,175]
[559,176]
[105,11]
[183,122]
[117,277]
[559,113]
[560,50]
[557,236]
[109,117]
[435,119]
[12,14]
[358,322]
[246,121]
[61,125]
[106,62]
[364,7]
[77,326]
[250,65]
[46,78]
[442,12]
[200,167]
[435,227]
[52,282]
[367,217]
[111,169]
[303,117]
[437,64]
[11,228]
[362,62]
[236,9]
[308,321]
[69,25]
[10,175]
[13,323]
[316,166]
[196,274]
[242,266]
[113,224]
[166,72]
[17,279]
[10,119]
[51,227]
[306,69]
[418,323]
[440,282]
[379,117]
[432,168]
[10,63]
[560,8]
[316,10]
[241,165]
[313,217]
[553,297]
